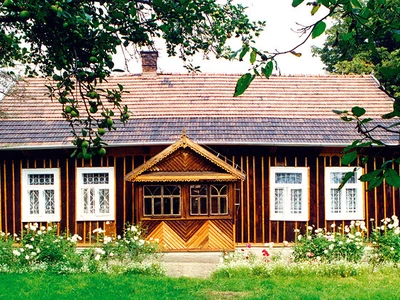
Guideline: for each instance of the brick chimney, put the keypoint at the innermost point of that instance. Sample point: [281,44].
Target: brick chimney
[149,61]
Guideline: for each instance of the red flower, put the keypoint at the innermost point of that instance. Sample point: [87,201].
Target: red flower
[265,252]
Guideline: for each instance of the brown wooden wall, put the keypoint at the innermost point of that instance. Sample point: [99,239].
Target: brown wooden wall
[252,221]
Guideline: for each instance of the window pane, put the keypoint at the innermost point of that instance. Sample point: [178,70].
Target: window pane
[198,199]
[147,206]
[88,201]
[176,206]
[41,179]
[279,201]
[223,206]
[351,200]
[295,201]
[34,202]
[214,205]
[336,201]
[292,178]
[95,178]
[203,206]
[104,201]
[152,190]
[49,202]
[337,177]
[167,206]
[157,206]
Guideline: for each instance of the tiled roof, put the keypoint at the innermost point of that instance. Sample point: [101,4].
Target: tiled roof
[295,110]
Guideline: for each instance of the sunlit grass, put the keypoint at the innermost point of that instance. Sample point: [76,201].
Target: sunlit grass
[383,284]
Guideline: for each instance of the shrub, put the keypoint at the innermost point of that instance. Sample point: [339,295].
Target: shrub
[131,246]
[337,244]
[385,241]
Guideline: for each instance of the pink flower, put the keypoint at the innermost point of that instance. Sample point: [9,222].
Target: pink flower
[309,254]
[248,245]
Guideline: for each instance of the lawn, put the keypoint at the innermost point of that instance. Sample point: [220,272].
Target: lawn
[132,286]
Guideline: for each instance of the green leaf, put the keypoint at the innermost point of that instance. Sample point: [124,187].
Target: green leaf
[253,56]
[315,9]
[296,3]
[267,71]
[346,178]
[347,119]
[243,83]
[244,52]
[371,175]
[318,29]
[325,3]
[339,112]
[358,111]
[366,120]
[348,158]
[392,178]
[355,3]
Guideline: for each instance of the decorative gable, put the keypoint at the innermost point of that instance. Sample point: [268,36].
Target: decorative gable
[185,161]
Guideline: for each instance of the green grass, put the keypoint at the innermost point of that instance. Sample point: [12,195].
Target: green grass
[382,285]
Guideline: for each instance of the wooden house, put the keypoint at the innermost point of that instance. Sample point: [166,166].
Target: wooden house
[199,168]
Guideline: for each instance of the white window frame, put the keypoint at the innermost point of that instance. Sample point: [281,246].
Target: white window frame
[358,186]
[97,216]
[26,187]
[286,213]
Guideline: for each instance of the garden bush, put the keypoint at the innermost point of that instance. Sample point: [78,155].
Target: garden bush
[385,240]
[42,249]
[336,244]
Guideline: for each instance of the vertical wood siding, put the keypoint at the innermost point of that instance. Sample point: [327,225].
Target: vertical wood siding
[253,224]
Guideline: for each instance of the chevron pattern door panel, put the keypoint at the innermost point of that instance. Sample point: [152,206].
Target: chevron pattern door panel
[211,235]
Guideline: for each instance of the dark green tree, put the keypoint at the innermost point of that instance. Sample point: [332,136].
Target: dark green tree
[73,43]
[365,37]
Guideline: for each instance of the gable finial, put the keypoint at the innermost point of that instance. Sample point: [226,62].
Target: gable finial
[184,131]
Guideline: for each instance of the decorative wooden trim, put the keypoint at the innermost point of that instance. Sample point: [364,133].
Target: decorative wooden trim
[184,142]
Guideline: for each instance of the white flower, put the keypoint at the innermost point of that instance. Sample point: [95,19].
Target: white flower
[296,230]
[331,246]
[32,227]
[285,243]
[111,254]
[118,237]
[97,257]
[16,253]
[333,225]
[133,228]
[98,230]
[26,226]
[391,249]
[26,257]
[352,223]
[107,239]
[32,239]
[299,237]
[358,233]
[309,227]
[33,253]
[326,251]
